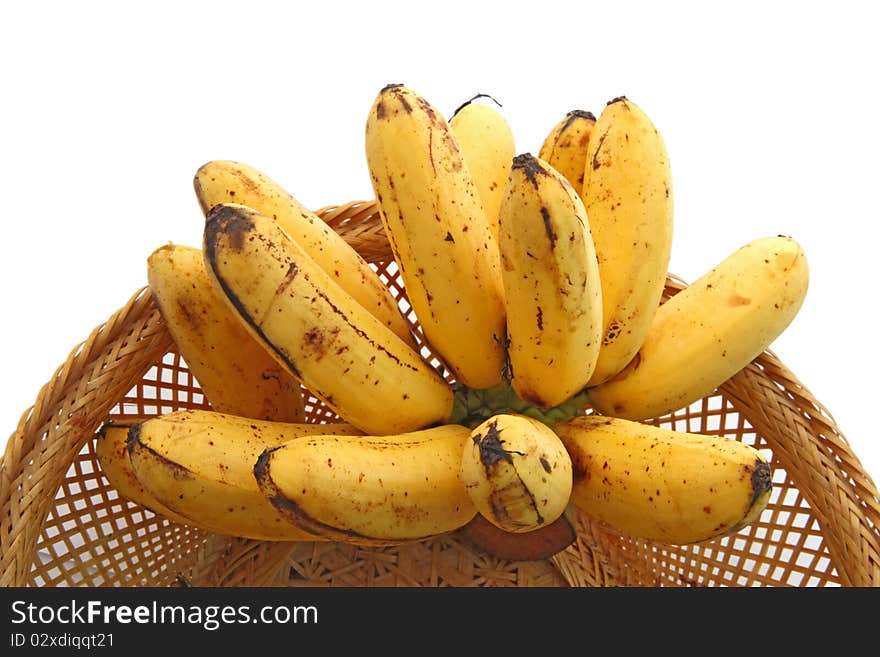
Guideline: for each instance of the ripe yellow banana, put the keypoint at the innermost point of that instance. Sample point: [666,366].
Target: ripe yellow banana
[552,290]
[628,196]
[200,465]
[517,472]
[488,147]
[346,357]
[662,485]
[226,181]
[565,146]
[370,490]
[112,453]
[710,330]
[237,374]
[439,233]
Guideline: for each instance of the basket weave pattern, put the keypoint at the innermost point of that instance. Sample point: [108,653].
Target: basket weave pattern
[62,524]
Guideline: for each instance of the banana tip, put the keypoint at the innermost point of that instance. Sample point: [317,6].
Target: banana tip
[530,166]
[261,467]
[133,439]
[581,114]
[762,480]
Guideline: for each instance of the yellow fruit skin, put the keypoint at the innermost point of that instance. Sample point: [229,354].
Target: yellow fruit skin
[487,144]
[710,330]
[371,490]
[439,233]
[236,372]
[565,147]
[661,485]
[227,181]
[628,197]
[112,453]
[552,290]
[517,472]
[346,357]
[200,465]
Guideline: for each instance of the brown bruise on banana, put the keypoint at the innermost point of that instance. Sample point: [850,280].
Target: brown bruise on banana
[492,453]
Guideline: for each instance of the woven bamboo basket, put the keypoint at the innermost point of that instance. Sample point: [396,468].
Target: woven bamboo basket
[62,524]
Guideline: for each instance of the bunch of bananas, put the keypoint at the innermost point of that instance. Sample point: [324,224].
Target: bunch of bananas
[537,282]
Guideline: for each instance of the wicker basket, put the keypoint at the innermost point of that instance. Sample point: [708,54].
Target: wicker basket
[62,524]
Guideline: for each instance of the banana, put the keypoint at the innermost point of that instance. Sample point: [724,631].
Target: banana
[710,330]
[345,356]
[237,374]
[226,181]
[200,465]
[565,146]
[439,233]
[112,454]
[487,145]
[552,290]
[517,472]
[663,485]
[628,197]
[370,490]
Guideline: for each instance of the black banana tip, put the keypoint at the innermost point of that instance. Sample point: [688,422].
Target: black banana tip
[530,166]
[261,467]
[133,439]
[581,114]
[762,480]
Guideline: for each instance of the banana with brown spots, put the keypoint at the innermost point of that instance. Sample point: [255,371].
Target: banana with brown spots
[517,472]
[552,290]
[346,357]
[662,485]
[710,330]
[199,464]
[111,451]
[628,197]
[439,233]
[565,146]
[226,181]
[237,373]
[487,143]
[370,490]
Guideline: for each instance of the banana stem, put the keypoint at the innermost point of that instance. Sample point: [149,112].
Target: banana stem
[473,406]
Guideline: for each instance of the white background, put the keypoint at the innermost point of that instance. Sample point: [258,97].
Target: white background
[769,112]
